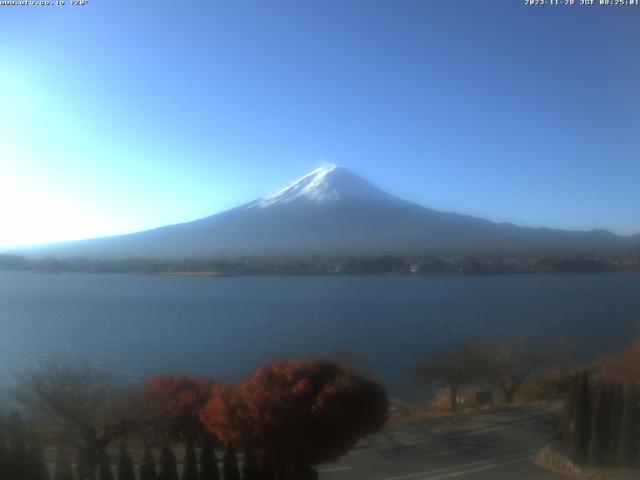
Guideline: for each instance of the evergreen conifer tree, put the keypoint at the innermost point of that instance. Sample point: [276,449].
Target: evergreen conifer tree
[168,464]
[569,402]
[4,457]
[629,430]
[249,470]
[17,435]
[230,464]
[617,404]
[611,453]
[63,469]
[125,465]
[38,469]
[148,466]
[208,463]
[599,442]
[190,464]
[18,459]
[104,468]
[581,421]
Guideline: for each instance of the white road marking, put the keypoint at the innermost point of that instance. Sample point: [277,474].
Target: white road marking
[427,437]
[513,458]
[509,425]
[480,469]
[336,469]
[445,452]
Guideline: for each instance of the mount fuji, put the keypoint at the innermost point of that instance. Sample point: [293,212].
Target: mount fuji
[333,211]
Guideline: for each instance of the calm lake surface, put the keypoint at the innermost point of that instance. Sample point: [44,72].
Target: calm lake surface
[225,327]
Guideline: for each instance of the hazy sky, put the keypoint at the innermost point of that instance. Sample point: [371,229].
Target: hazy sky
[121,116]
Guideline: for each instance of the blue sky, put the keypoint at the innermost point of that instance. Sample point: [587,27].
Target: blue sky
[121,116]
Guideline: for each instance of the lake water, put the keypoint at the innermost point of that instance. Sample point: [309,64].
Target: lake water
[225,327]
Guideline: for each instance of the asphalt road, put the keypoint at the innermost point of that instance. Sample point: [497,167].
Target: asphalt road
[488,447]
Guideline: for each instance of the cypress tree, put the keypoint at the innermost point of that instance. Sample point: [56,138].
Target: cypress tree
[581,421]
[125,465]
[629,430]
[4,457]
[38,469]
[599,442]
[230,464]
[148,466]
[249,470]
[569,401]
[168,464]
[17,435]
[190,464]
[104,468]
[63,469]
[18,460]
[208,463]
[617,404]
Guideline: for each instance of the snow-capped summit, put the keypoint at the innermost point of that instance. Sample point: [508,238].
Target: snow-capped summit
[323,185]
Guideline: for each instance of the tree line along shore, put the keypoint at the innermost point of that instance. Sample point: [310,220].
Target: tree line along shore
[550,262]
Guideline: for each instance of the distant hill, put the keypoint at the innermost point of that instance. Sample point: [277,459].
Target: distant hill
[333,211]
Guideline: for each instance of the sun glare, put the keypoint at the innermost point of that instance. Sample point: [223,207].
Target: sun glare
[30,217]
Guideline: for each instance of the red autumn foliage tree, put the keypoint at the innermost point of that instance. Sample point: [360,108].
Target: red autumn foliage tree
[174,403]
[225,416]
[294,415]
[624,365]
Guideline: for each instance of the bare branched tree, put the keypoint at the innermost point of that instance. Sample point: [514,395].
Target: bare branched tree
[511,362]
[453,369]
[82,408]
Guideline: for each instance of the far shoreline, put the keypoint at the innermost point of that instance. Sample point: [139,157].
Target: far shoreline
[338,265]
[211,274]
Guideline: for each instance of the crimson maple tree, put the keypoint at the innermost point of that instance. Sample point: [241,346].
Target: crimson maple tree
[294,415]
